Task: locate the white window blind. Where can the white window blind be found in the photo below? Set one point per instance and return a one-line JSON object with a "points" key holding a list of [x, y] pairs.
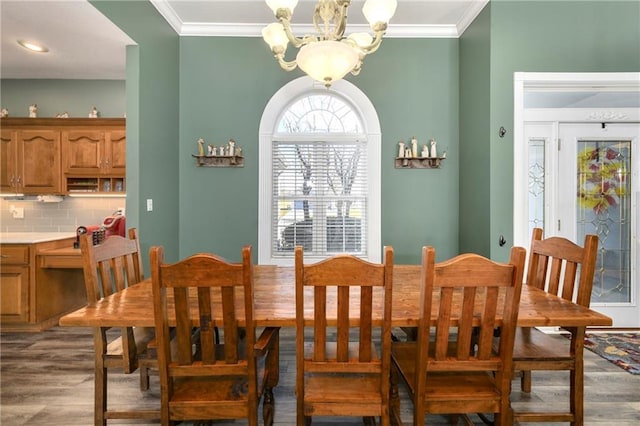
{"points": [[319, 197], [319, 179]]}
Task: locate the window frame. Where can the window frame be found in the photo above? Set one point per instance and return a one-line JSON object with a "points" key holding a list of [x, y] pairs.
{"points": [[272, 115]]}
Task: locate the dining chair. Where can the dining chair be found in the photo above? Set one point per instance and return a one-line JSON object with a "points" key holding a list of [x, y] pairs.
{"points": [[458, 370], [110, 267], [340, 371], [560, 267], [205, 380]]}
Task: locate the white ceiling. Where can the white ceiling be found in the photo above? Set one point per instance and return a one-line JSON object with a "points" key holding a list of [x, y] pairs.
{"points": [[85, 45]]}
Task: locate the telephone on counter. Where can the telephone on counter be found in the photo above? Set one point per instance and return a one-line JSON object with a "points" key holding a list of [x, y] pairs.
{"points": [[116, 224]]}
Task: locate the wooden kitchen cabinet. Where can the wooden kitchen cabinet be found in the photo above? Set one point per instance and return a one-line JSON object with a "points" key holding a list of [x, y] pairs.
{"points": [[30, 160], [34, 295], [95, 152], [14, 279], [62, 155]]}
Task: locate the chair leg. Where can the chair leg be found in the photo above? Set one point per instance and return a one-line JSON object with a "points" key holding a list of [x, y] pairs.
{"points": [[525, 381], [394, 398], [144, 378], [100, 395], [268, 407], [576, 377]]}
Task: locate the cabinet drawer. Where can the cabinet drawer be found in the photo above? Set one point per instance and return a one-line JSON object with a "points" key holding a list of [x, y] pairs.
{"points": [[14, 255]]}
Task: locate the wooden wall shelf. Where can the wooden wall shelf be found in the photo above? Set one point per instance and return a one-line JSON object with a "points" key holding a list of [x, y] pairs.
{"points": [[418, 162], [219, 160]]}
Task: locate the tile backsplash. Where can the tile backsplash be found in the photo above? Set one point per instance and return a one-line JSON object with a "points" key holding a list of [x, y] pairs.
{"points": [[64, 216]]}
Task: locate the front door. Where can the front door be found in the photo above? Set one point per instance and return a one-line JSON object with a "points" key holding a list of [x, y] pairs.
{"points": [[598, 165]]}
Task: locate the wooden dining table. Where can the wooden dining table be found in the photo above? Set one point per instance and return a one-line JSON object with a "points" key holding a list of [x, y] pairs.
{"points": [[274, 295]]}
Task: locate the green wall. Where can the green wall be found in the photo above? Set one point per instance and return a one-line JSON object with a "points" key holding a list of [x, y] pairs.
{"points": [[77, 97], [534, 36], [223, 94], [152, 122], [475, 72]]}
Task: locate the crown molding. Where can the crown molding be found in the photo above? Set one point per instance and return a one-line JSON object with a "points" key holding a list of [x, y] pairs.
{"points": [[239, 29], [255, 30]]}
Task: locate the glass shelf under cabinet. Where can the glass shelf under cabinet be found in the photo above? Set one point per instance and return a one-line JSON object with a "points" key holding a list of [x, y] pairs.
{"points": [[86, 184]]}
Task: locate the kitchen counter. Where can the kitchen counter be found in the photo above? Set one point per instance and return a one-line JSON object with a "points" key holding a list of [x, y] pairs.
{"points": [[38, 289], [33, 237]]}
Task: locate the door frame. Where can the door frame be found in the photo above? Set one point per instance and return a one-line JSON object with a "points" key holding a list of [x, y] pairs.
{"points": [[552, 117], [524, 81]]}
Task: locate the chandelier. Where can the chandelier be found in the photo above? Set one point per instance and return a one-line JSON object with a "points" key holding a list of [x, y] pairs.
{"points": [[328, 55]]}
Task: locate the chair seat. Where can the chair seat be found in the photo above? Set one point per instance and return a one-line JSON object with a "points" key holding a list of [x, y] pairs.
{"points": [[444, 386], [532, 344]]}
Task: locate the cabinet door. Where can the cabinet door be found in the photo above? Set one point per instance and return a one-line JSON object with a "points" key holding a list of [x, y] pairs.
{"points": [[8, 160], [39, 159], [83, 151], [14, 293], [117, 149]]}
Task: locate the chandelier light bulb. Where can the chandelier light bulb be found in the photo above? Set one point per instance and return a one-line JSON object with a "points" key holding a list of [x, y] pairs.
{"points": [[275, 36], [282, 4], [361, 39], [379, 11]]}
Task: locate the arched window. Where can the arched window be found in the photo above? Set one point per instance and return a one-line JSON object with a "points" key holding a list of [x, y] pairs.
{"points": [[319, 173]]}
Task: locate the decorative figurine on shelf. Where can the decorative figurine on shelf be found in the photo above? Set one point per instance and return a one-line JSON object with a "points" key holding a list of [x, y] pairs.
{"points": [[232, 145], [434, 151], [425, 151], [239, 152], [93, 113], [4, 113], [211, 149], [407, 152], [62, 115], [414, 147], [401, 149], [444, 154], [201, 147], [33, 111]]}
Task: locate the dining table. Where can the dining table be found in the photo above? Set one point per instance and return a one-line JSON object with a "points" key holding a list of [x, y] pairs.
{"points": [[274, 304]]}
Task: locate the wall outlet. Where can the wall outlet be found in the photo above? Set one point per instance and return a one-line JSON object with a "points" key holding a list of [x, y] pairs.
{"points": [[16, 212], [121, 210], [149, 204]]}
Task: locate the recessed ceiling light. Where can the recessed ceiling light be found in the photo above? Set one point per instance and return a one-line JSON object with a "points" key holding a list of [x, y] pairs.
{"points": [[32, 46]]}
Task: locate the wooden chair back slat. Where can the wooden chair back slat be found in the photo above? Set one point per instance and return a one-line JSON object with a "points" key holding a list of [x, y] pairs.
{"points": [[342, 334], [230, 322], [366, 324], [320, 322]]}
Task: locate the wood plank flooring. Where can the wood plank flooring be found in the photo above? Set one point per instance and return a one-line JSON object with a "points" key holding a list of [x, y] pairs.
{"points": [[47, 379]]}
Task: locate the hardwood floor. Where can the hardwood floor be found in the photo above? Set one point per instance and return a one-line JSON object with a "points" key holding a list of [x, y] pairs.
{"points": [[47, 379]]}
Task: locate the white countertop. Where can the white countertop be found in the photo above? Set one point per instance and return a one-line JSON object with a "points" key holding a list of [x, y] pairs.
{"points": [[33, 237]]}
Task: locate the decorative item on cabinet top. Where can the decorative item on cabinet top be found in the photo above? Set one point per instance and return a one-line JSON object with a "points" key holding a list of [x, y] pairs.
{"points": [[226, 155], [407, 155]]}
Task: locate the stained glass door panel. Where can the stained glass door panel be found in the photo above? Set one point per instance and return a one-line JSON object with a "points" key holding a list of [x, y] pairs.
{"points": [[598, 168]]}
